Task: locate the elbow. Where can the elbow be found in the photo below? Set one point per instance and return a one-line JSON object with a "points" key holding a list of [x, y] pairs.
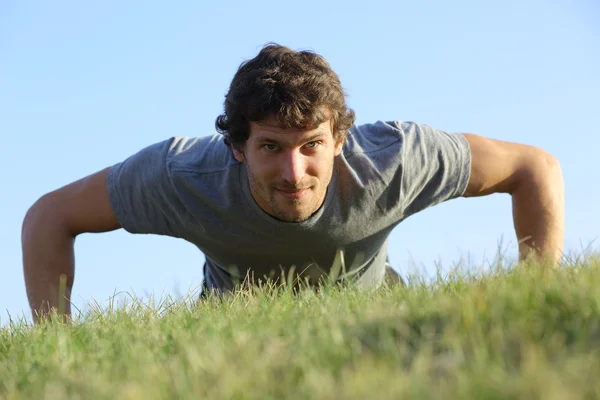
{"points": [[550, 168], [42, 213], [542, 169], [549, 161], [32, 215]]}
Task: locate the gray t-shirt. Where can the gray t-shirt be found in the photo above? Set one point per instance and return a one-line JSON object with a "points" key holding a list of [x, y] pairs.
{"points": [[193, 188]]}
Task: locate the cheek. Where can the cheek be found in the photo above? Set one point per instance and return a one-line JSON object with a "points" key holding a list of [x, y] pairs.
{"points": [[320, 167], [263, 170]]}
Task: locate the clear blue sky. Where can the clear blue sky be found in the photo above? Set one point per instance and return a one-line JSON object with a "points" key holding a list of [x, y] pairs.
{"points": [[83, 86]]}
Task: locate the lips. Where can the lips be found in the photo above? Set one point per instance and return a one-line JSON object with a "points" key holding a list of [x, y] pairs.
{"points": [[293, 194]]}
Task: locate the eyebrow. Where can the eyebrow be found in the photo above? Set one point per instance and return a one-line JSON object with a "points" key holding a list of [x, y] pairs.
{"points": [[309, 139]]}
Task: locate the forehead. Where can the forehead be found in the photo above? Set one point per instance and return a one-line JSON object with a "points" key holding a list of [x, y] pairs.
{"points": [[270, 129]]}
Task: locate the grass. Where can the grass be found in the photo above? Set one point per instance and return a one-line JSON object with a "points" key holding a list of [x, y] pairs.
{"points": [[526, 332]]}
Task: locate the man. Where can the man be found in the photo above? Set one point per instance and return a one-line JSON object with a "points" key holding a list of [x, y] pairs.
{"points": [[290, 187]]}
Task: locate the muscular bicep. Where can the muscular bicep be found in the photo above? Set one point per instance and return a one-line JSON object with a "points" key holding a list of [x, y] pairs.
{"points": [[82, 206], [498, 166]]}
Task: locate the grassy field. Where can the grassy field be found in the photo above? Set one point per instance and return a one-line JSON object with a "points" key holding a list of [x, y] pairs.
{"points": [[509, 333]]}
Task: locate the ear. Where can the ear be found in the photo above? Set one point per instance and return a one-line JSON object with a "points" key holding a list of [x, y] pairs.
{"points": [[339, 145], [237, 154]]}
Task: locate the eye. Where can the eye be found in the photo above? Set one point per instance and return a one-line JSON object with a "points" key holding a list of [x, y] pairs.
{"points": [[270, 147], [312, 145]]}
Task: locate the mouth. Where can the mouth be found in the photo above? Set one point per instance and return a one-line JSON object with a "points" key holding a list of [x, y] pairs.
{"points": [[293, 194]]}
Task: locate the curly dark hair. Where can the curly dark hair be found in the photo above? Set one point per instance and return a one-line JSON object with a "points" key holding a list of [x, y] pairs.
{"points": [[298, 88]]}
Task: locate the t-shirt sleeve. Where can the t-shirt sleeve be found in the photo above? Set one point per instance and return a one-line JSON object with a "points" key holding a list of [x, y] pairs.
{"points": [[142, 194], [436, 166]]}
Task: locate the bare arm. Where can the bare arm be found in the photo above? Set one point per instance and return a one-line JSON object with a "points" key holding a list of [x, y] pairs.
{"points": [[534, 179], [48, 236]]}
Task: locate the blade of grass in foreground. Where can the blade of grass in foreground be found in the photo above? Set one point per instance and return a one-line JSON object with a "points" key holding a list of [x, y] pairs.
{"points": [[510, 333]]}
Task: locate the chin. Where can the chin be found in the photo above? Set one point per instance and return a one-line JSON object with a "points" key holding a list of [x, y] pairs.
{"points": [[293, 216], [296, 217]]}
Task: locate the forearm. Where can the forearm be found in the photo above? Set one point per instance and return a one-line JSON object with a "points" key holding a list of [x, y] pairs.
{"points": [[538, 213], [48, 255]]}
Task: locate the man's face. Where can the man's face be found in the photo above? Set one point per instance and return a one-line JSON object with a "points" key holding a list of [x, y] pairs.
{"points": [[289, 169]]}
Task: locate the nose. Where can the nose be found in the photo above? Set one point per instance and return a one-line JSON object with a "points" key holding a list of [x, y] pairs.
{"points": [[294, 167]]}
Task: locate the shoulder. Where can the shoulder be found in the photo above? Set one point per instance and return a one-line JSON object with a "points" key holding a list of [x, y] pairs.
{"points": [[371, 151], [371, 137], [379, 135], [199, 154]]}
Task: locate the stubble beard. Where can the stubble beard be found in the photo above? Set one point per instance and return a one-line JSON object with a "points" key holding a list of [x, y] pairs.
{"points": [[269, 196], [288, 216]]}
